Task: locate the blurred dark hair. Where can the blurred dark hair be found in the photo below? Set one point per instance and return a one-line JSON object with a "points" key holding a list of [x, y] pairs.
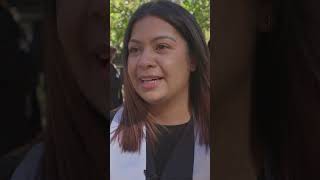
{"points": [[134, 116], [75, 142], [288, 90]]}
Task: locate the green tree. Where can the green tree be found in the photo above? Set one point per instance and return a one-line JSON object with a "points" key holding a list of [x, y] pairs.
{"points": [[121, 11], [200, 9]]}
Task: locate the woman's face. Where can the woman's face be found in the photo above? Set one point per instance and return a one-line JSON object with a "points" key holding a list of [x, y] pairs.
{"points": [[159, 64], [83, 35]]}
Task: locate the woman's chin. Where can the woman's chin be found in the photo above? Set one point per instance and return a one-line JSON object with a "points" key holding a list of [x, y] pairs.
{"points": [[153, 99]]}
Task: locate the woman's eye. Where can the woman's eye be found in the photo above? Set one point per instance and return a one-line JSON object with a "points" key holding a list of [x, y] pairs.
{"points": [[161, 47], [133, 50]]}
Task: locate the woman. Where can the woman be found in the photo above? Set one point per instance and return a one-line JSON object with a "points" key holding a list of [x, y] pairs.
{"points": [[74, 144], [162, 130]]}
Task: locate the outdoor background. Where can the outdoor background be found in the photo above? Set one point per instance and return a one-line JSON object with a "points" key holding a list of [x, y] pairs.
{"points": [[121, 11]]}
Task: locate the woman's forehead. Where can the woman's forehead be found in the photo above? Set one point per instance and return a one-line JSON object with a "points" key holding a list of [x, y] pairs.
{"points": [[151, 28]]}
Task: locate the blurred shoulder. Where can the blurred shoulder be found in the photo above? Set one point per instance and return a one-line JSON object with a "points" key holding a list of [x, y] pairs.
{"points": [[30, 167]]}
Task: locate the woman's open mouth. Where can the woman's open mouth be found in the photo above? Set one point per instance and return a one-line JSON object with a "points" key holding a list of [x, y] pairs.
{"points": [[149, 83]]}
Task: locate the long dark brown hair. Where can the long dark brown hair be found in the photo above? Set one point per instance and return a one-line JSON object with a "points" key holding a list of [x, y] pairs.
{"points": [[75, 142], [130, 130]]}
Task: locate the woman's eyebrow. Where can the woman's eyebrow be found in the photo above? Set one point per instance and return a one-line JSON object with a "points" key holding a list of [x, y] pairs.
{"points": [[135, 41], [154, 39], [164, 37]]}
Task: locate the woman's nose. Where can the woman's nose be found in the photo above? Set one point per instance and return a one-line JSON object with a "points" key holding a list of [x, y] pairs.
{"points": [[147, 59]]}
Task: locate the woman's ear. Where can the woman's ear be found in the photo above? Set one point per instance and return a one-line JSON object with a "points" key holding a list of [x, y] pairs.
{"points": [[265, 16]]}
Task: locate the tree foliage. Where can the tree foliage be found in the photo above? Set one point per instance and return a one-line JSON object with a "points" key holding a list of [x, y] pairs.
{"points": [[121, 11]]}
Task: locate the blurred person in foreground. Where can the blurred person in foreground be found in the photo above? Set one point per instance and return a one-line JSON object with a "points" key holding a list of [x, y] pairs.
{"points": [[73, 145]]}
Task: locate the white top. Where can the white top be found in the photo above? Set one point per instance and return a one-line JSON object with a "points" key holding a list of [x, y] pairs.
{"points": [[128, 166]]}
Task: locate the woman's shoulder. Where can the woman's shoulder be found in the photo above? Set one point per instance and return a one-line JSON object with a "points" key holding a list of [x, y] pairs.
{"points": [[30, 167], [115, 114]]}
